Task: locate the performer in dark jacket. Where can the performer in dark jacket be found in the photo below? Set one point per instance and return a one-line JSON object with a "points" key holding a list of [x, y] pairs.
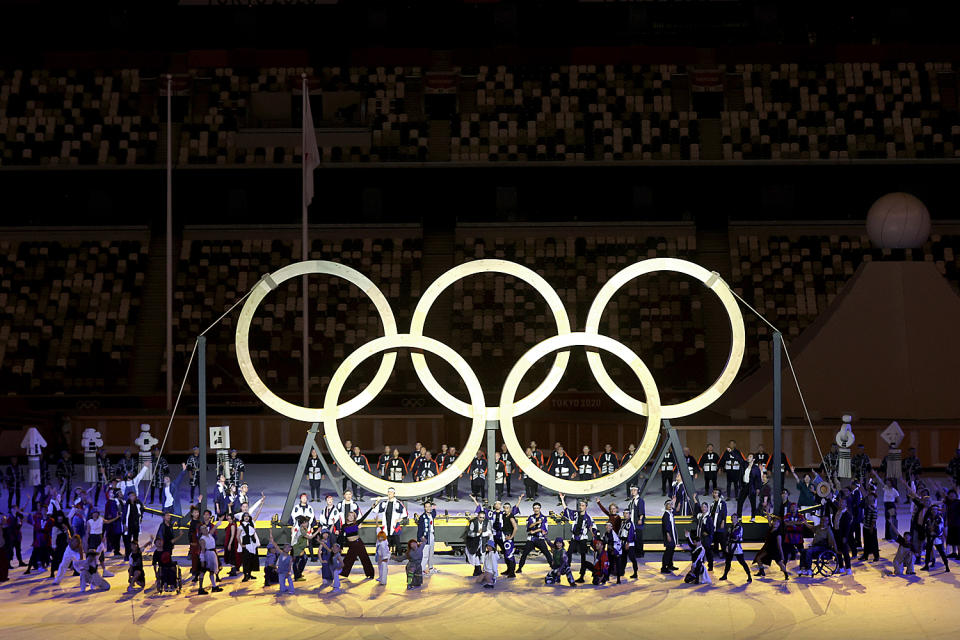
{"points": [[667, 468], [718, 518], [608, 462], [314, 473], [669, 530], [705, 532], [636, 512], [531, 488], [710, 464], [732, 463], [536, 536], [750, 489], [478, 475], [582, 533], [734, 549]]}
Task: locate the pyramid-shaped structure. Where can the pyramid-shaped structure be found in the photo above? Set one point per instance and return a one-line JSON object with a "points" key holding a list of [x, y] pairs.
{"points": [[888, 347]]}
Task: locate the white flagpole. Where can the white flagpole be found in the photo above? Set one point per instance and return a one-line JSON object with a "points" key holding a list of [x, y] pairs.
{"points": [[304, 241], [169, 243]]}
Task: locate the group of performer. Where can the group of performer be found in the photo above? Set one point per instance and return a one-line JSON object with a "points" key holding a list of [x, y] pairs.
{"points": [[72, 534]]}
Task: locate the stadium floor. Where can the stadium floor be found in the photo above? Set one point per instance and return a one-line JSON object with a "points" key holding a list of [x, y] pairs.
{"points": [[867, 604]]}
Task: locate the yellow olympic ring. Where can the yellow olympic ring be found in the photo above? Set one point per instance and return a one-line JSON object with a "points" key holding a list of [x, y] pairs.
{"points": [[603, 483], [489, 266], [715, 283], [259, 292], [404, 489]]}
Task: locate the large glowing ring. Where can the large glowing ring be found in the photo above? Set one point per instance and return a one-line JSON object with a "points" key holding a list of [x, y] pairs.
{"points": [[367, 479], [713, 282], [259, 292], [520, 272], [603, 483]]}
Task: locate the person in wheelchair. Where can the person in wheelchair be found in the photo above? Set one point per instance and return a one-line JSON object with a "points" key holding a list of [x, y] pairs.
{"points": [[168, 573], [823, 541]]}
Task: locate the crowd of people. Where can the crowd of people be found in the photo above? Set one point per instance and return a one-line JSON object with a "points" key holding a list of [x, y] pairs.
{"points": [[74, 535]]}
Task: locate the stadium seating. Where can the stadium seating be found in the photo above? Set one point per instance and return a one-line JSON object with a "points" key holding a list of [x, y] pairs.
{"points": [[561, 113], [496, 318], [214, 271], [70, 310]]}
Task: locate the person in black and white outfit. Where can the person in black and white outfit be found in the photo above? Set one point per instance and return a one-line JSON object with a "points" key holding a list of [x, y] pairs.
{"points": [[161, 468], [530, 485], [636, 512], [479, 532], [193, 470], [582, 534], [669, 530], [391, 513], [314, 475], [750, 487], [608, 462], [734, 549], [732, 462], [396, 467], [507, 466], [250, 542], [382, 462], [587, 468], [478, 476], [718, 517], [347, 506], [710, 464], [132, 517], [328, 517], [426, 536], [451, 489], [667, 468], [536, 536]]}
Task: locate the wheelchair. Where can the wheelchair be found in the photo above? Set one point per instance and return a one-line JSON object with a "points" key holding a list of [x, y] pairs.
{"points": [[826, 563], [169, 577]]}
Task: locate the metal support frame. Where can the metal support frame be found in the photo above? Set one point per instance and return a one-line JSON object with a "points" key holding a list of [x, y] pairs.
{"points": [[202, 418], [310, 442], [492, 426], [777, 421], [671, 441]]}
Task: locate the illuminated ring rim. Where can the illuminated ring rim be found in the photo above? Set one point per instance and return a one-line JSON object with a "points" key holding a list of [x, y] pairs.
{"points": [[256, 297], [404, 490], [644, 450], [737, 343], [505, 267]]}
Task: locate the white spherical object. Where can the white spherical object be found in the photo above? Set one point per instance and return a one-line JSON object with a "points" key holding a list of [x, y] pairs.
{"points": [[898, 221]]}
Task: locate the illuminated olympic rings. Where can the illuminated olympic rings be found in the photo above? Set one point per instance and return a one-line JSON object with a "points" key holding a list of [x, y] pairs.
{"points": [[508, 407]]}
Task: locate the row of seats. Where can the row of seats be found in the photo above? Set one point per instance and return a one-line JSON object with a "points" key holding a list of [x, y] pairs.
{"points": [[516, 113], [496, 318], [212, 273], [71, 308], [70, 311]]}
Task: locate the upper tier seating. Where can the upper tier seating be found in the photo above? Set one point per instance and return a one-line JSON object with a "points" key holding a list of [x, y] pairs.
{"points": [[562, 113]]}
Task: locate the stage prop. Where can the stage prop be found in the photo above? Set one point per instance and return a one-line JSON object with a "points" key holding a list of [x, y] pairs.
{"points": [[90, 440], [845, 440], [893, 436], [220, 443], [34, 444], [146, 442], [487, 419]]}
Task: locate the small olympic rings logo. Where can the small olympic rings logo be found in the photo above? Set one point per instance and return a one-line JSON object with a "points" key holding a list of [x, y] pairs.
{"points": [[509, 407]]}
